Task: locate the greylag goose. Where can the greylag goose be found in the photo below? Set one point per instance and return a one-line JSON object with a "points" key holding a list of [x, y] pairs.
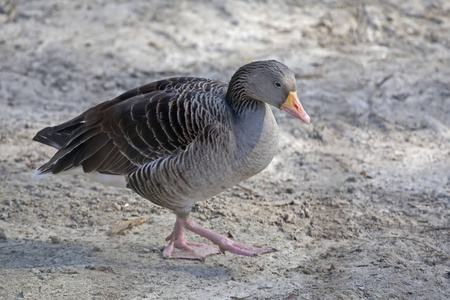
{"points": [[178, 141]]}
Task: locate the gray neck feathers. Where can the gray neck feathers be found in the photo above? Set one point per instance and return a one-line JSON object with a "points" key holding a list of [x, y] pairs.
{"points": [[237, 96]]}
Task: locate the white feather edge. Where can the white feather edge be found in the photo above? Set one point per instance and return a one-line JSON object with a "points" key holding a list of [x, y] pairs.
{"points": [[106, 179]]}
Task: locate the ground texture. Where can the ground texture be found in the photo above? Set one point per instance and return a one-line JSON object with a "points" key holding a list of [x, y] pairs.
{"points": [[357, 202]]}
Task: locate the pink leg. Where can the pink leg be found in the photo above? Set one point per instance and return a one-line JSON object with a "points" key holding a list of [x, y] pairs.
{"points": [[180, 248], [225, 243]]}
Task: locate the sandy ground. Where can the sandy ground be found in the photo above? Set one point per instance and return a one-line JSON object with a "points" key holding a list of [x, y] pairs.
{"points": [[357, 202]]}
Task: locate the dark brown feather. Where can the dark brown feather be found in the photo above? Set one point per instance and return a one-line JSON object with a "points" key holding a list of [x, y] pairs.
{"points": [[139, 126]]}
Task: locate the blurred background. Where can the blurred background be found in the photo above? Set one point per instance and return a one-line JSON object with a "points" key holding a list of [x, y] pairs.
{"points": [[357, 201]]}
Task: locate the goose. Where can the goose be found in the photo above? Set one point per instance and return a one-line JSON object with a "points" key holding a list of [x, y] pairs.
{"points": [[178, 141]]}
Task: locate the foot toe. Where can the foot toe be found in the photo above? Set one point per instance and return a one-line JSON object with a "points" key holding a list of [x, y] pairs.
{"points": [[189, 251]]}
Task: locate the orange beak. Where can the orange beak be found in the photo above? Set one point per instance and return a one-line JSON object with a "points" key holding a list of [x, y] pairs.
{"points": [[293, 107]]}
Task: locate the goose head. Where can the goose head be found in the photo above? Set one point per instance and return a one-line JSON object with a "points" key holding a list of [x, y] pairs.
{"points": [[271, 82]]}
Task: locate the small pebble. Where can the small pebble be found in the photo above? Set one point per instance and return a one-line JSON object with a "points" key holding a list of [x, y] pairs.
{"points": [[2, 236], [55, 239], [97, 249]]}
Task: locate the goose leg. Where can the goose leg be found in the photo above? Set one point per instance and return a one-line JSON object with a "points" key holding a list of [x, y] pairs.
{"points": [[180, 248], [225, 243]]}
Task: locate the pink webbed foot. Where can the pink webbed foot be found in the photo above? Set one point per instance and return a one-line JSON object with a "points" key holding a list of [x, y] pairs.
{"points": [[188, 250], [180, 248], [226, 244]]}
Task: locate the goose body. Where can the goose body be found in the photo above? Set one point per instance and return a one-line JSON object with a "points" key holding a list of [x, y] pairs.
{"points": [[178, 141]]}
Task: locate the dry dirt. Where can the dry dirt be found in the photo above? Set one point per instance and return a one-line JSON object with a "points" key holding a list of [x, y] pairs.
{"points": [[357, 202]]}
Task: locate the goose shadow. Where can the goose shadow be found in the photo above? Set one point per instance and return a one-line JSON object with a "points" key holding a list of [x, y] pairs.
{"points": [[29, 253]]}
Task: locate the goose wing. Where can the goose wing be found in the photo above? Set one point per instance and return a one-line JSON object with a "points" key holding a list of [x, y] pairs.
{"points": [[139, 126]]}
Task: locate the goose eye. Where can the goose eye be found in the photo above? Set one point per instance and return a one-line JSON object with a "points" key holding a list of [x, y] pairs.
{"points": [[277, 84]]}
